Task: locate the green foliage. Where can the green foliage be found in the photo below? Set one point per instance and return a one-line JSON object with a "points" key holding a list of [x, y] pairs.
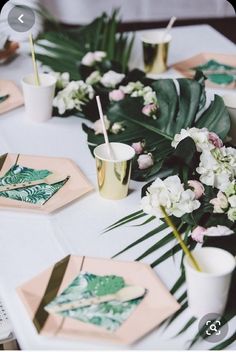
{"points": [[63, 48], [3, 98], [179, 108]]}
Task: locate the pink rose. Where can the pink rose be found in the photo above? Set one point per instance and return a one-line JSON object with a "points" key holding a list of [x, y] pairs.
{"points": [[215, 140], [198, 234], [116, 95], [149, 109], [138, 147], [145, 161], [197, 187]]}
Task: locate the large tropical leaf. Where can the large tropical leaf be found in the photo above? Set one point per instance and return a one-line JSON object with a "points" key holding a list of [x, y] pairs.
{"points": [[177, 110], [63, 48]]}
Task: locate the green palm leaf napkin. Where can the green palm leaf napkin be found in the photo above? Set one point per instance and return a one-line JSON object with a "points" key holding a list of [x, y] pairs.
{"points": [[38, 194], [109, 315]]}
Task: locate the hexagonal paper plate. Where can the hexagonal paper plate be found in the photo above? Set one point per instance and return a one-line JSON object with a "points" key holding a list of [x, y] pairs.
{"points": [[156, 306], [75, 187]]}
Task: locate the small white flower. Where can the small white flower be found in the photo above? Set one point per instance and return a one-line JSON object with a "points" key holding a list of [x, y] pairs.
{"points": [[232, 214], [99, 55], [97, 126], [220, 203], [63, 79], [200, 137], [93, 78], [116, 128], [74, 96], [91, 58], [133, 87], [145, 161], [232, 201], [231, 189], [218, 231], [217, 167], [150, 97], [88, 59], [111, 78]]}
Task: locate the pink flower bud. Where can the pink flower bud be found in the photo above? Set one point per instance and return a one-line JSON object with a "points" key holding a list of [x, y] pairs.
{"points": [[198, 234], [138, 147], [149, 109], [197, 187], [116, 95], [145, 161], [215, 140]]}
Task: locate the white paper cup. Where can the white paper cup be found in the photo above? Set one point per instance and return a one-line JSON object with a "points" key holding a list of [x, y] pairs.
{"points": [[208, 290], [39, 99], [230, 103], [114, 175]]}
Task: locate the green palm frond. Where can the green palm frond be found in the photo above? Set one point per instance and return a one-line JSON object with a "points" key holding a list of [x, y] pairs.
{"points": [[63, 48]]}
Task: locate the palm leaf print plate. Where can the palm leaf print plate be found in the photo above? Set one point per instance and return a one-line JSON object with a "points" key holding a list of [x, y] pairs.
{"points": [[220, 69], [40, 198]]}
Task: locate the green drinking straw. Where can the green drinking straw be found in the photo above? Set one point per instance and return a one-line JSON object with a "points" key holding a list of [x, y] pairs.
{"points": [[181, 242], [36, 74]]}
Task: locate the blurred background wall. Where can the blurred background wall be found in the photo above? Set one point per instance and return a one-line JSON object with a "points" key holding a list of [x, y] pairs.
{"points": [[83, 11]]}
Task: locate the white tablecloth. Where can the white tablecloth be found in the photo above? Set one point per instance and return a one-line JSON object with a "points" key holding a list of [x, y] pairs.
{"points": [[30, 243]]}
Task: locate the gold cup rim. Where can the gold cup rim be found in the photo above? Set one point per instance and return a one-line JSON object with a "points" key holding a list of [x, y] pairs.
{"points": [[115, 144], [144, 37]]}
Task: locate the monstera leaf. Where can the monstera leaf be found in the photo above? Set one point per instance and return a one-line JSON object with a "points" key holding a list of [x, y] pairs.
{"points": [[182, 104]]}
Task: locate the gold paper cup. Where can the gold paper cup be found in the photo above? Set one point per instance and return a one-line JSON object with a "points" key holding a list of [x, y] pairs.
{"points": [[114, 175], [155, 51]]}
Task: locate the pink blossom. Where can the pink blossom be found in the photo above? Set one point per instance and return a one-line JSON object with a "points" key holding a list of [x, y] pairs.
{"points": [[197, 187], [220, 203], [145, 161], [149, 109], [138, 147], [215, 140], [116, 95], [198, 234], [97, 126]]}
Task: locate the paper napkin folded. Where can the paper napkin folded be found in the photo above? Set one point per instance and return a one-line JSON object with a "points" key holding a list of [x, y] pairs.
{"points": [[35, 194], [109, 315]]}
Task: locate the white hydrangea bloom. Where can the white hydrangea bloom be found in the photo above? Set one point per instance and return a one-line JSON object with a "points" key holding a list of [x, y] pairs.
{"points": [[111, 78], [217, 167], [171, 195], [200, 137], [73, 96]]}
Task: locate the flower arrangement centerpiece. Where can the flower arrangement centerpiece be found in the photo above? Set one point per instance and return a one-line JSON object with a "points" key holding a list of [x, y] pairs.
{"points": [[199, 197]]}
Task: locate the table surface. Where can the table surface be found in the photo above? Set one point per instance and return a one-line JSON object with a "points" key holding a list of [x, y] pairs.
{"points": [[30, 243]]}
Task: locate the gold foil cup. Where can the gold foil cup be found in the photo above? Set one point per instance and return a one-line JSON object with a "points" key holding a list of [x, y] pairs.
{"points": [[155, 51], [114, 175]]}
